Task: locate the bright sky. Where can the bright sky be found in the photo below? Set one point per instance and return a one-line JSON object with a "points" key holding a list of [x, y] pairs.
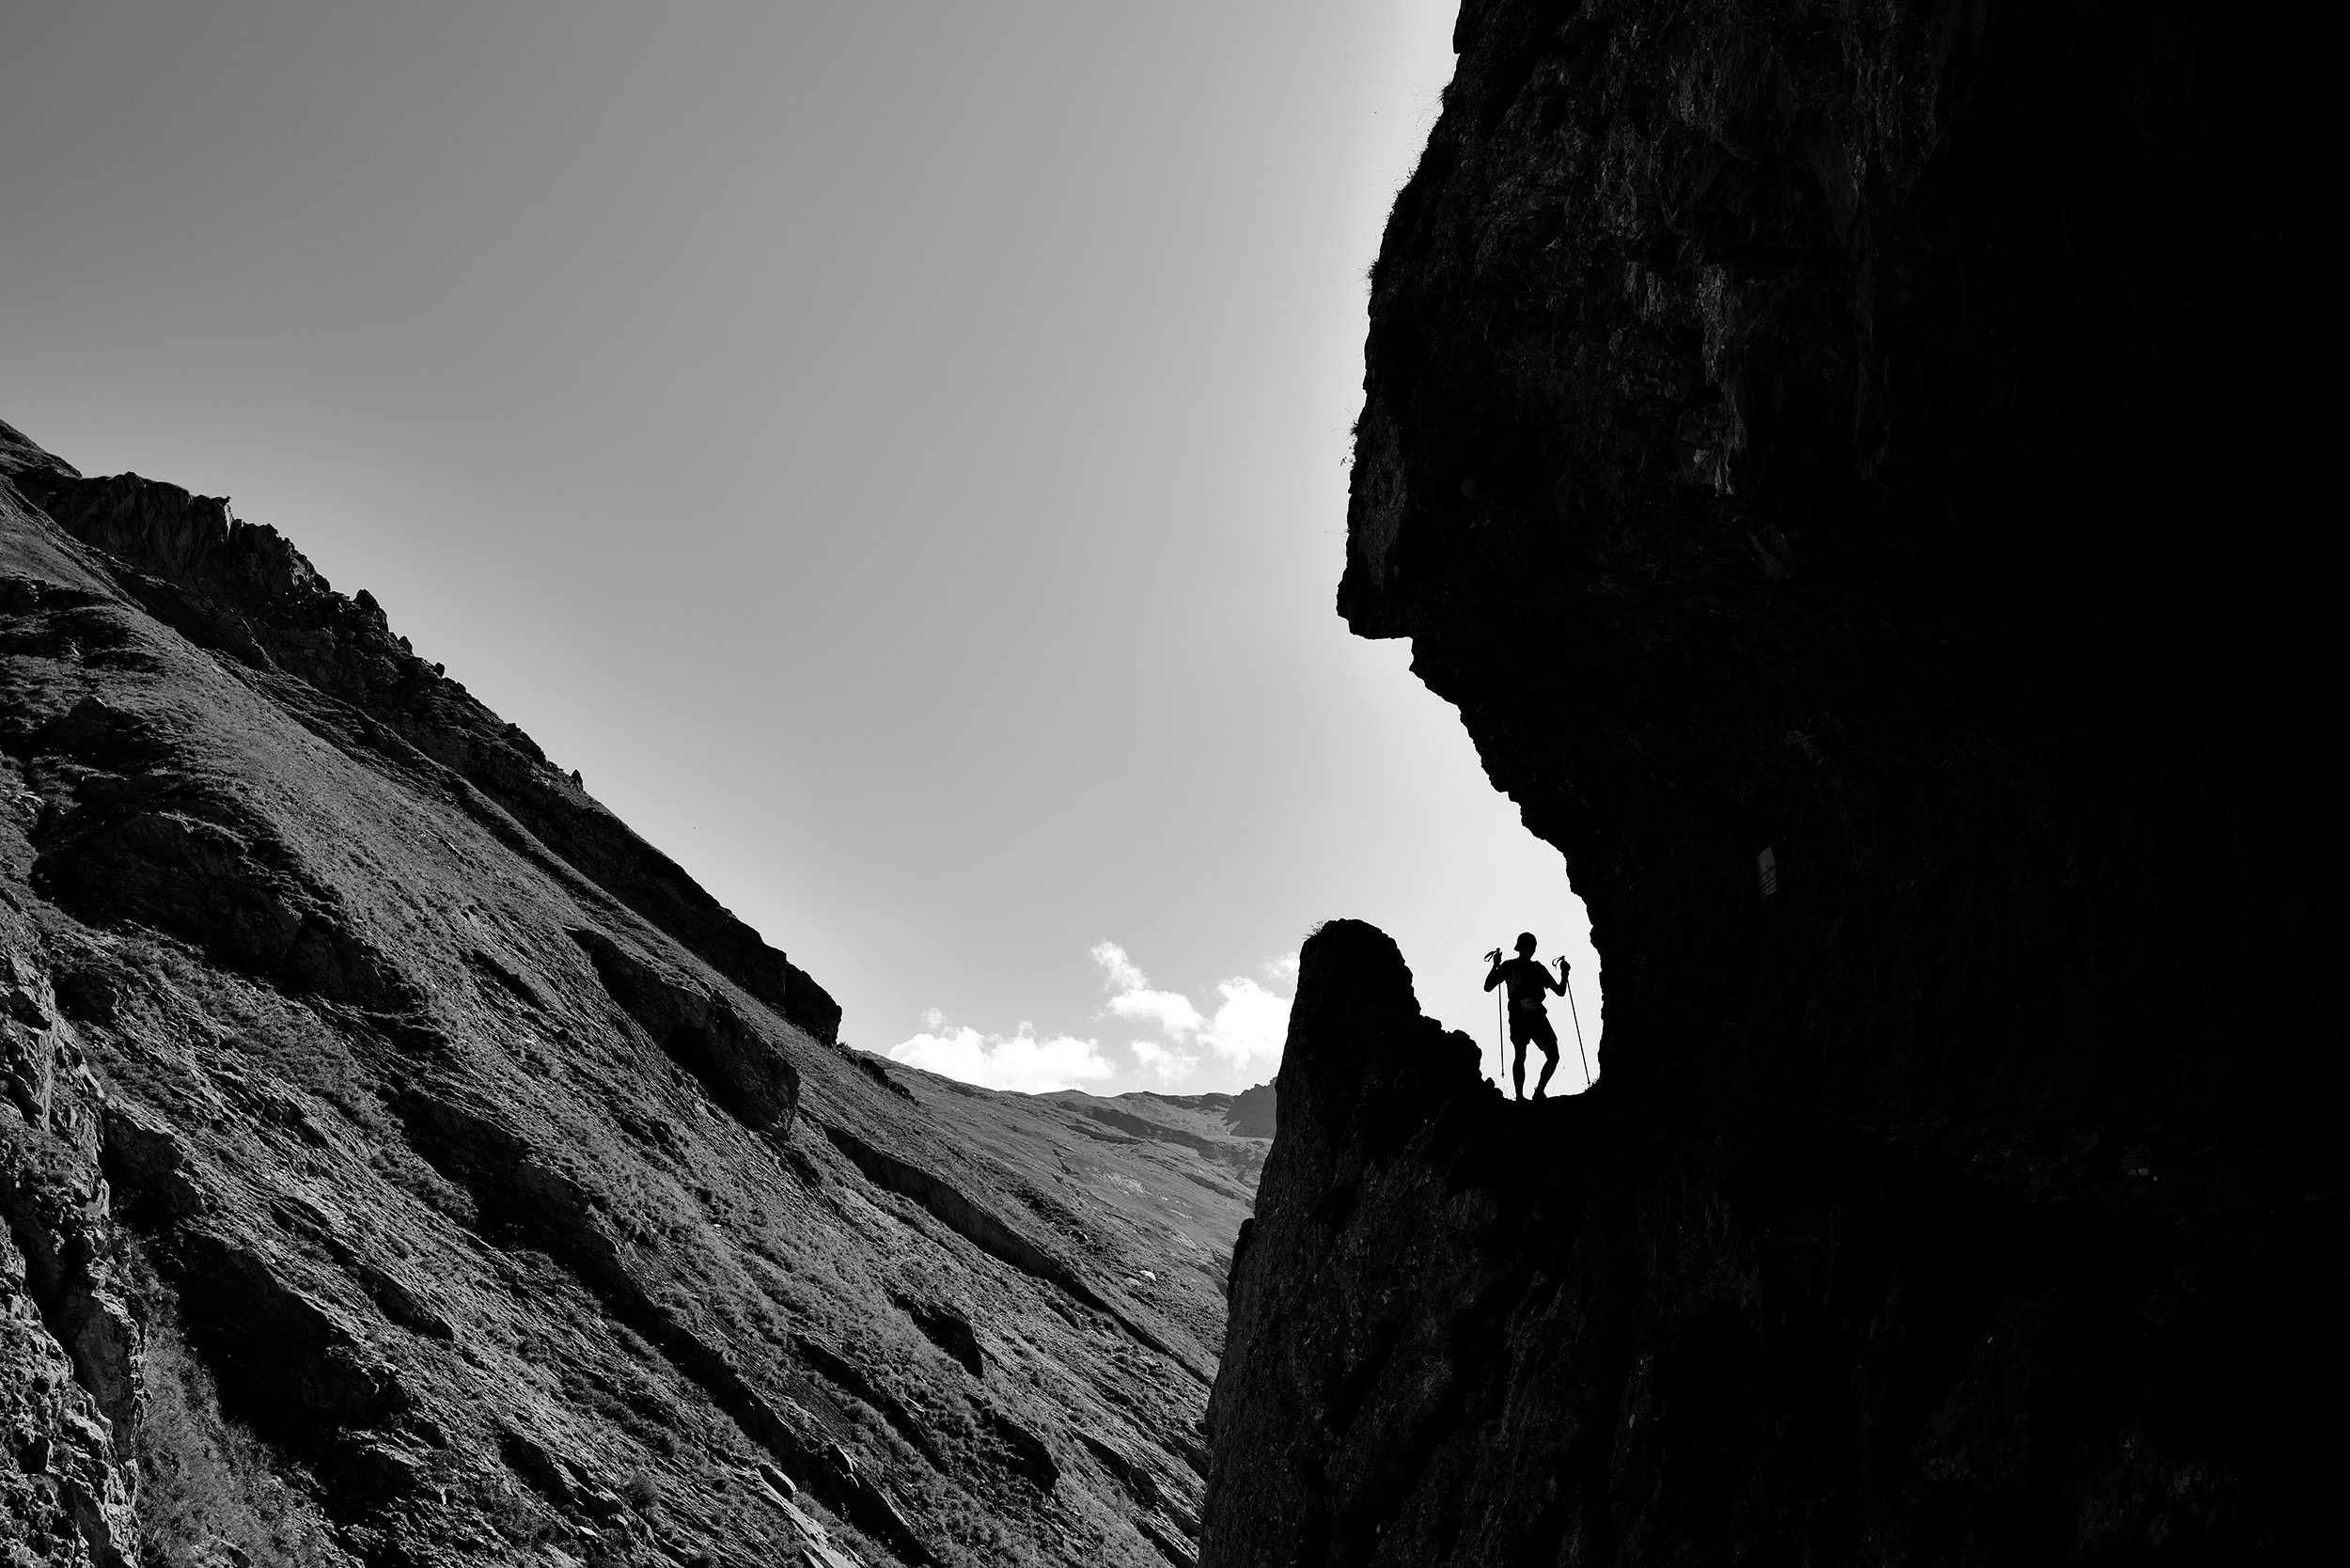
{"points": [[897, 451]]}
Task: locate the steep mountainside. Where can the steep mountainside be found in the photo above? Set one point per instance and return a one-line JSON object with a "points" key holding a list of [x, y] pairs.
{"points": [[1826, 455], [512, 1193]]}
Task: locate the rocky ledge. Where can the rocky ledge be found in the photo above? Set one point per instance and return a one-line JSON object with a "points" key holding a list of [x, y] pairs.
{"points": [[1595, 1331]]}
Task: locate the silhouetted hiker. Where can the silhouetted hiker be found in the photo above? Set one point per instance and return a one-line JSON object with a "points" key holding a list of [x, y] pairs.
{"points": [[1528, 982]]}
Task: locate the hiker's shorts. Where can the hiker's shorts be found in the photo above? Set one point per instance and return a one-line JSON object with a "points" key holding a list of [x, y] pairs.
{"points": [[1532, 1028]]}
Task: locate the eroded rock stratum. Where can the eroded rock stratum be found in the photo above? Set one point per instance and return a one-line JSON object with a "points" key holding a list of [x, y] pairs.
{"points": [[1819, 452], [516, 1200]]}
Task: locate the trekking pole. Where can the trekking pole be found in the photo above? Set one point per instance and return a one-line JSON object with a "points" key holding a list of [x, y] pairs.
{"points": [[1574, 1014], [1501, 1035]]}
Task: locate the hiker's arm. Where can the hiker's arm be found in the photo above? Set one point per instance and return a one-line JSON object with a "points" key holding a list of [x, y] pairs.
{"points": [[1556, 982], [1493, 978]]}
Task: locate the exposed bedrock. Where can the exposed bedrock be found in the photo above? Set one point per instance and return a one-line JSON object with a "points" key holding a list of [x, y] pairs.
{"points": [[401, 1164], [744, 1071], [131, 829], [1837, 433], [1597, 1330], [246, 592], [70, 1392], [1821, 453]]}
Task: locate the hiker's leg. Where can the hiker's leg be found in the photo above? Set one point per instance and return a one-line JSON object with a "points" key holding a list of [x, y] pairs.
{"points": [[1517, 1073], [1550, 1065]]}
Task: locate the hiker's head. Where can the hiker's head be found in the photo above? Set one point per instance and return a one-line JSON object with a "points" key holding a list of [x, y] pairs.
{"points": [[1526, 944]]}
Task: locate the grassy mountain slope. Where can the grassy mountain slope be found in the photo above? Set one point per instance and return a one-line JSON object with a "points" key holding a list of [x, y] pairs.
{"points": [[509, 1194]]}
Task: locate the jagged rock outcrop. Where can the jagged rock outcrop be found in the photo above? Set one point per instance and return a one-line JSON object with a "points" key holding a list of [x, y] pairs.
{"points": [[1815, 448], [404, 1163], [69, 1383], [1598, 1330]]}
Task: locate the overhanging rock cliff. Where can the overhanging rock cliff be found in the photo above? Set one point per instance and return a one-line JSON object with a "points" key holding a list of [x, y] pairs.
{"points": [[1840, 432], [1819, 452]]}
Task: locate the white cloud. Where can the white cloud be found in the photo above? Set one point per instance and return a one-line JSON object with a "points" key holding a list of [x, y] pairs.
{"points": [[1120, 970], [1170, 1011], [1019, 1062], [1169, 1067], [1250, 1026], [1246, 1033]]}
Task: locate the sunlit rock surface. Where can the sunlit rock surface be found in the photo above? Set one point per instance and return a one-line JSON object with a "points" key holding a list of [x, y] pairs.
{"points": [[1822, 452], [511, 1195]]}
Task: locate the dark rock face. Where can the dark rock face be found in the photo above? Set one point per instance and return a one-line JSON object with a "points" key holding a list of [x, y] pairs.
{"points": [[1597, 1330], [520, 1204], [1797, 438], [1800, 430]]}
